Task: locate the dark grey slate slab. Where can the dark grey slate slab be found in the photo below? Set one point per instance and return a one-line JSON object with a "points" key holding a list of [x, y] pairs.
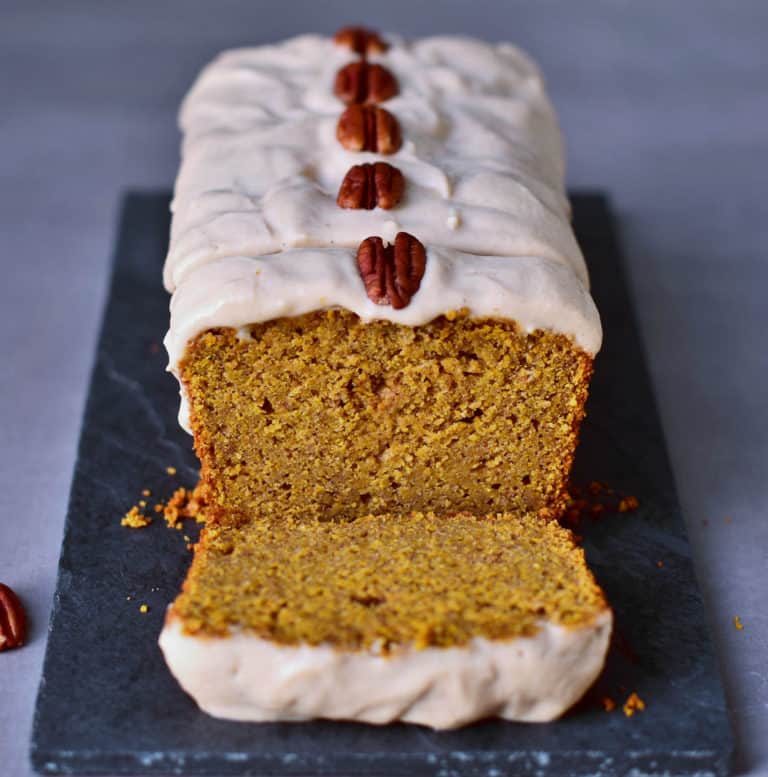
{"points": [[107, 705]]}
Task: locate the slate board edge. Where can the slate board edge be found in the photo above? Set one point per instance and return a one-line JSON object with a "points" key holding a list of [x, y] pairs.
{"points": [[579, 763], [715, 762]]}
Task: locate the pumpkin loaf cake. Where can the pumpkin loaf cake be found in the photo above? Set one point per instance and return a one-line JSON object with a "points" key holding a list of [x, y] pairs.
{"points": [[381, 326], [437, 620]]}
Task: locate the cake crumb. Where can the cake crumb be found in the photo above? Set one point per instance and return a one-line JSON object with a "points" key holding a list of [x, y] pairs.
{"points": [[143, 609], [171, 515], [659, 564], [171, 470], [628, 504], [633, 704], [595, 501], [608, 704], [142, 503], [737, 623], [159, 508], [135, 519], [146, 492], [128, 598], [185, 503]]}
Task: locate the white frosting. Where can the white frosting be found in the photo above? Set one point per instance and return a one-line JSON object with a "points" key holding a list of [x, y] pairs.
{"points": [[262, 166], [256, 232], [240, 290], [534, 679]]}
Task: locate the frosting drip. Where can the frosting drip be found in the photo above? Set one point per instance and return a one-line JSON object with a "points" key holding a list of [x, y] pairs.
{"points": [[242, 290]]}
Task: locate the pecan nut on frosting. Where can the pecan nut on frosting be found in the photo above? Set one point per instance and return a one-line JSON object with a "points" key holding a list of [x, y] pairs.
{"points": [[391, 273], [360, 40], [362, 82], [369, 128], [13, 621], [370, 185]]}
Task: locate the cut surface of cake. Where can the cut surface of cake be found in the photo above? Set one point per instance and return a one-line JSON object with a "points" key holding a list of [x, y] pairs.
{"points": [[324, 415], [436, 620]]}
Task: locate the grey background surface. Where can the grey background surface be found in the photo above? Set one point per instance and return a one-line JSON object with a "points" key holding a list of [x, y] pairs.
{"points": [[663, 104]]}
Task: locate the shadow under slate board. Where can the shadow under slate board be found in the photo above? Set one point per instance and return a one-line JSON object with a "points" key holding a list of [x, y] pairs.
{"points": [[107, 704]]}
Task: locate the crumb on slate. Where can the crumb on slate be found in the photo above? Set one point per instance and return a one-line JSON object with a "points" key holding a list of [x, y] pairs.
{"points": [[737, 623], [135, 519], [633, 704], [608, 704], [143, 609], [171, 470], [628, 504], [594, 501], [185, 503]]}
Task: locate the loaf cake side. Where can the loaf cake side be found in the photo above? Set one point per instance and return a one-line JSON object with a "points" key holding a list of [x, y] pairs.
{"points": [[436, 620]]}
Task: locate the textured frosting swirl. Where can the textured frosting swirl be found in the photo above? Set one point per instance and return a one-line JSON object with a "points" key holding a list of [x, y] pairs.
{"points": [[261, 166]]}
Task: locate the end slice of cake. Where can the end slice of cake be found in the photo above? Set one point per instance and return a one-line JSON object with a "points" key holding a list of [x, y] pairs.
{"points": [[415, 618]]}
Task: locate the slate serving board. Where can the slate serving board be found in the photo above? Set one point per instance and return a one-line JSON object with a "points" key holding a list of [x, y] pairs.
{"points": [[107, 704]]}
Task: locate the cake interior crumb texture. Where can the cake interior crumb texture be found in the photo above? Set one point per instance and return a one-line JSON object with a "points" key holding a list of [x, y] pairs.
{"points": [[379, 582], [324, 416]]}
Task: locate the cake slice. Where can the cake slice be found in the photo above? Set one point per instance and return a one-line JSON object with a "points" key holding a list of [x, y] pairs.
{"points": [[325, 373], [432, 620]]}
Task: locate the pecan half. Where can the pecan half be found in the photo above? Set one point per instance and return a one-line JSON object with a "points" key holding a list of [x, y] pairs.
{"points": [[362, 82], [13, 621], [366, 186], [368, 128], [360, 40], [391, 274]]}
